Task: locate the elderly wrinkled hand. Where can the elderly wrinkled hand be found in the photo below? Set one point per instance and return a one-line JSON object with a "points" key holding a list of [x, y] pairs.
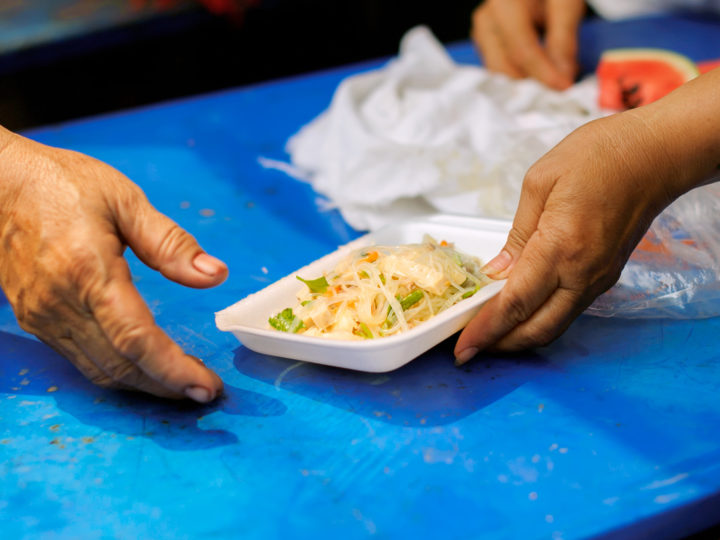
{"points": [[583, 208], [65, 221], [508, 34]]}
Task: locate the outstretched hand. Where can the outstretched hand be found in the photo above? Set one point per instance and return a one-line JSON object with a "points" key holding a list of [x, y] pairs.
{"points": [[65, 220], [583, 208]]}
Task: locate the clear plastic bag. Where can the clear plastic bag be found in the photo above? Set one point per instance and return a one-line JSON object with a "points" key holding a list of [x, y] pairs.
{"points": [[675, 270]]}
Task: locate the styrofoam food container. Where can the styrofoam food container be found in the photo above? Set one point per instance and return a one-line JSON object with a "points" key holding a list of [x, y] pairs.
{"points": [[248, 318]]}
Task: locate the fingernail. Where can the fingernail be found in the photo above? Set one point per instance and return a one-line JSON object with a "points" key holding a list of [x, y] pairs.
{"points": [[207, 264], [498, 264], [199, 394], [465, 356]]}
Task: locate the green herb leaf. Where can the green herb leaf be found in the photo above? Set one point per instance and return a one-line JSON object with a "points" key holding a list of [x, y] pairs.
{"points": [[364, 331], [286, 321], [468, 294], [318, 285], [411, 299], [405, 303], [390, 320]]}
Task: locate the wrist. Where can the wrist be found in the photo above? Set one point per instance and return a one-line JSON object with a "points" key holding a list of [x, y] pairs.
{"points": [[685, 126]]}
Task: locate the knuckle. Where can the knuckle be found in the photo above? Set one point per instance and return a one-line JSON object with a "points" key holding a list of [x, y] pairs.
{"points": [[107, 299], [599, 278], [126, 373], [586, 275], [129, 339], [83, 272], [173, 240], [538, 337], [102, 380], [527, 337], [81, 267], [133, 193], [586, 268], [21, 309], [569, 246], [129, 197], [516, 238], [567, 249], [516, 310], [33, 309], [535, 181], [70, 270]]}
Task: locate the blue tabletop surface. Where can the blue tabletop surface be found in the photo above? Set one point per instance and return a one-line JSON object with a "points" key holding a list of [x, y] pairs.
{"points": [[611, 431]]}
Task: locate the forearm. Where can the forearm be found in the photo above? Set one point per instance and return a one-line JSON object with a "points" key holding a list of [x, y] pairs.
{"points": [[686, 125]]}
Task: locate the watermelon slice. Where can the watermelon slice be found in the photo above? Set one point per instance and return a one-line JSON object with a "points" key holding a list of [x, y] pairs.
{"points": [[629, 78]]}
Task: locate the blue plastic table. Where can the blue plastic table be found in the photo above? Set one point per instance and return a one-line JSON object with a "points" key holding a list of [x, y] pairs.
{"points": [[614, 430]]}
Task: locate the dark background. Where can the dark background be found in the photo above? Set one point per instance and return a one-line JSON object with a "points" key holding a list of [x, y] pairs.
{"points": [[194, 51]]}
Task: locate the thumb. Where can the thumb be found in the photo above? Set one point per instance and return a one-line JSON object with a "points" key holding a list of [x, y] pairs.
{"points": [[163, 245], [562, 22], [523, 295]]}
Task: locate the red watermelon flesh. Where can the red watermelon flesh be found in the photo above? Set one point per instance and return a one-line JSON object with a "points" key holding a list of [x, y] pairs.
{"points": [[629, 78]]}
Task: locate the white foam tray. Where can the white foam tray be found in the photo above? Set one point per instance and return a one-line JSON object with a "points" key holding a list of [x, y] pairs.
{"points": [[248, 318]]}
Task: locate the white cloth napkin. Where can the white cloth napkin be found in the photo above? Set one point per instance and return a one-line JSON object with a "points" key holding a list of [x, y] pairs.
{"points": [[425, 134]]}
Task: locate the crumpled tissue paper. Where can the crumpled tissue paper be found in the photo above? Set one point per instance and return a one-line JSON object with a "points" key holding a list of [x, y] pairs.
{"points": [[425, 134]]}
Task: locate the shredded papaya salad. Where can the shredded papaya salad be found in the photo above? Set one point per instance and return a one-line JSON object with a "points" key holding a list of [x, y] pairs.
{"points": [[382, 290]]}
